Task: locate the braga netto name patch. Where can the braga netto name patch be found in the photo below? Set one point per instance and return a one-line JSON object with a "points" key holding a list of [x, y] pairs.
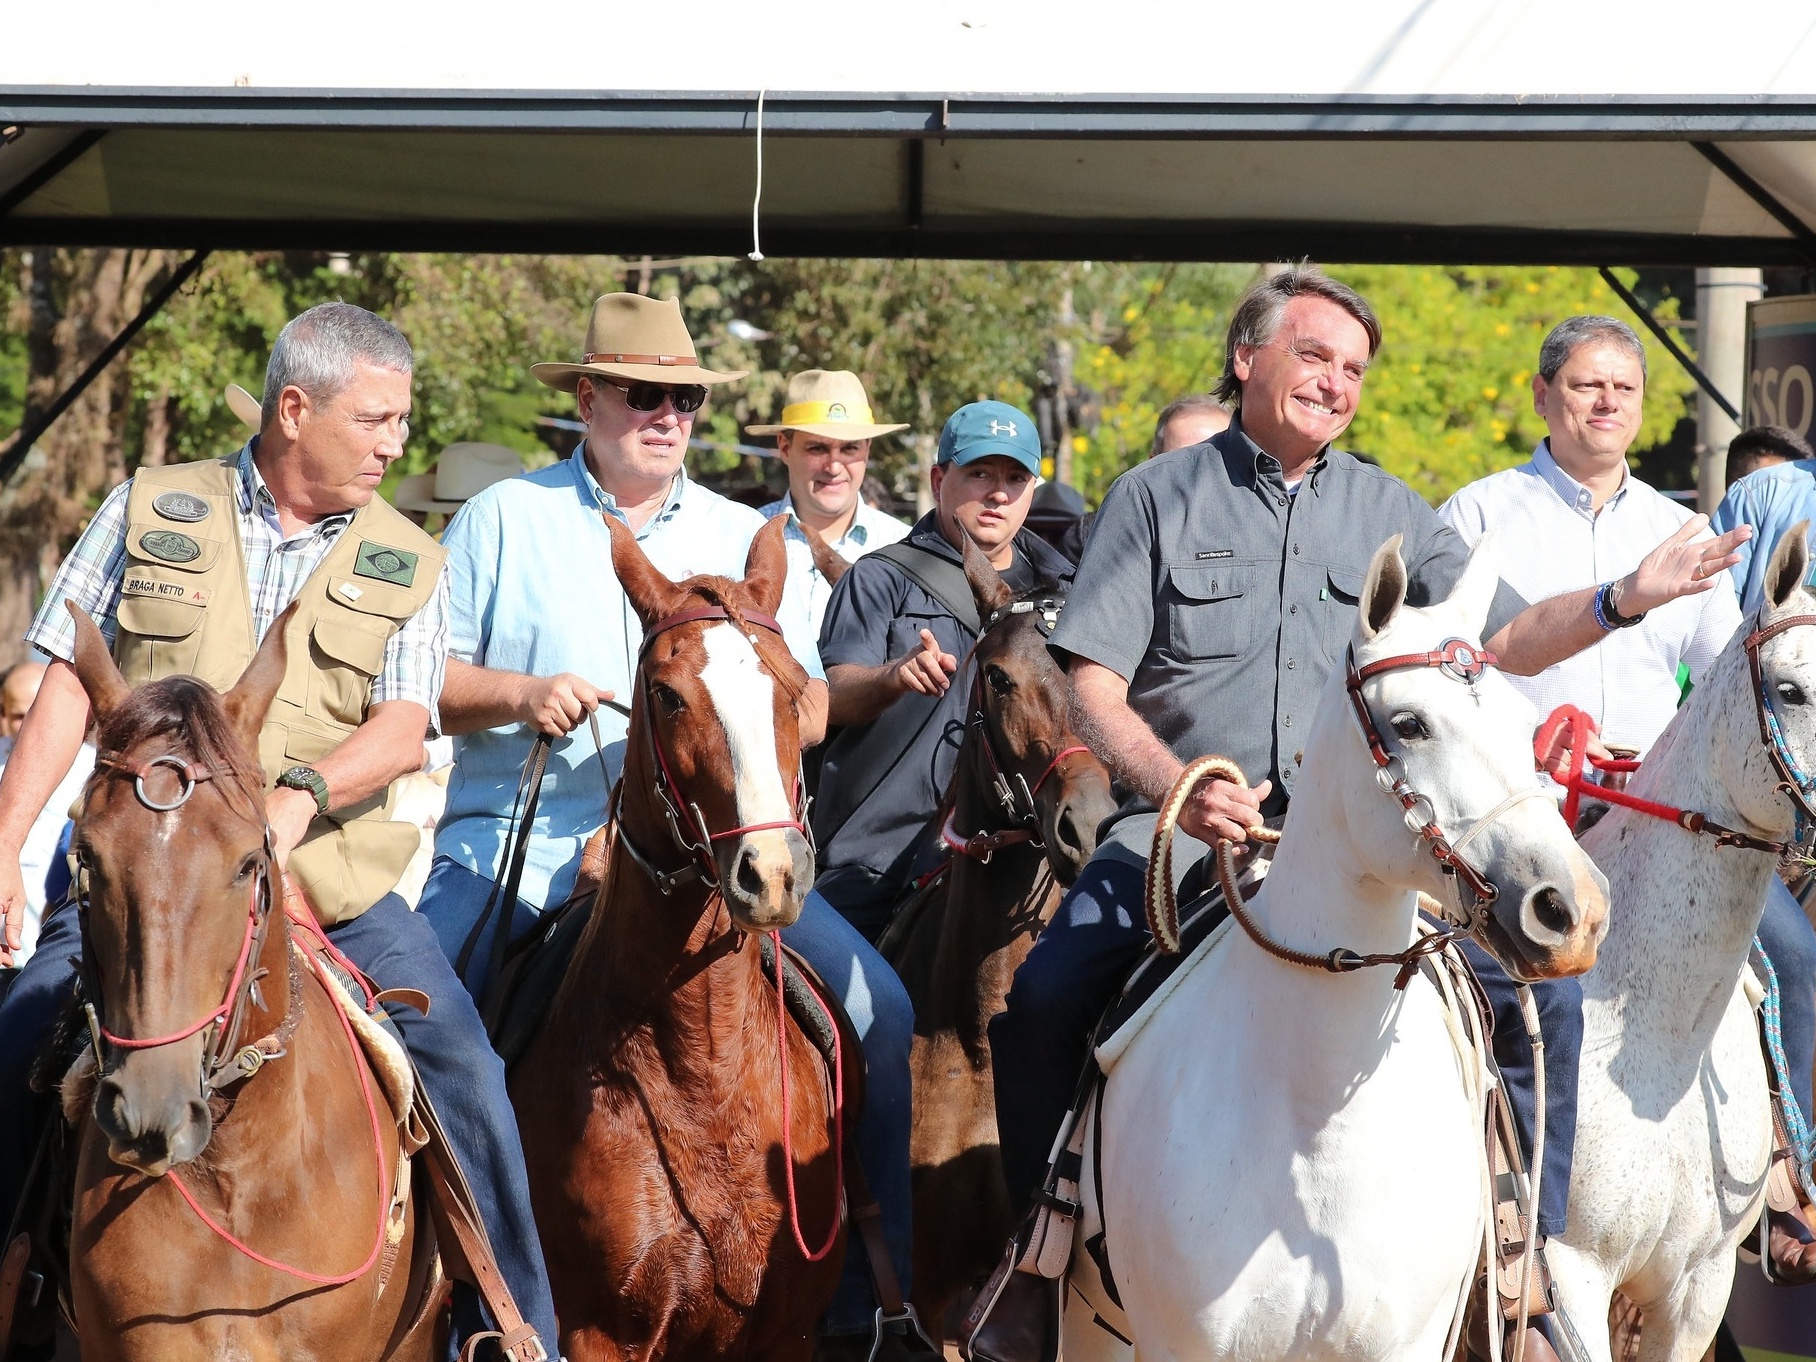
{"points": [[181, 506], [397, 566], [170, 547]]}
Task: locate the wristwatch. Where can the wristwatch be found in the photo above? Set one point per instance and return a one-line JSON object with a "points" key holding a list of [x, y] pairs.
{"points": [[306, 778]]}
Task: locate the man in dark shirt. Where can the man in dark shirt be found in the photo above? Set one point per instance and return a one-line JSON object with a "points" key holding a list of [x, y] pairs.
{"points": [[1218, 591], [896, 644]]}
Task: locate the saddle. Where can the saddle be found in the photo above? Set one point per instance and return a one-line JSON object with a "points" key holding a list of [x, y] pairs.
{"points": [[1016, 1316]]}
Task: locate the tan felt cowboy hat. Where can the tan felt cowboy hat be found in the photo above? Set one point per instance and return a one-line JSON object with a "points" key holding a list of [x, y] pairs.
{"points": [[245, 406], [635, 338], [829, 402], [463, 470]]}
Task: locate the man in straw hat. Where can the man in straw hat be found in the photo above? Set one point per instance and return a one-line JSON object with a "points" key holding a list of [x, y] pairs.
{"points": [[541, 632], [824, 437]]}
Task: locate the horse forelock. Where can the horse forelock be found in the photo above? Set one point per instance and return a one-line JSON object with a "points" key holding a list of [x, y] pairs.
{"points": [[186, 718]]}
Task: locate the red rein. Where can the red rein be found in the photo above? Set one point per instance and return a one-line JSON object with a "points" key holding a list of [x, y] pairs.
{"points": [[838, 1116], [1580, 726], [378, 1148]]}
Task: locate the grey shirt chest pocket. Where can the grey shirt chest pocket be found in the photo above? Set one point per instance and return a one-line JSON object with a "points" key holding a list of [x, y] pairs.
{"points": [[1210, 610]]}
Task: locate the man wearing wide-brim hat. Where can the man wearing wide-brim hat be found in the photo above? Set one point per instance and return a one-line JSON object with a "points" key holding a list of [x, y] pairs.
{"points": [[824, 438], [540, 632]]}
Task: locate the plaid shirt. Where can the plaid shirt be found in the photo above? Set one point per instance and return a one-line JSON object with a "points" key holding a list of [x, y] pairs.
{"points": [[276, 568]]}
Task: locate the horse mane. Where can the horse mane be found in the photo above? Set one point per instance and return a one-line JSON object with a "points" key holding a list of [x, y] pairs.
{"points": [[189, 715]]}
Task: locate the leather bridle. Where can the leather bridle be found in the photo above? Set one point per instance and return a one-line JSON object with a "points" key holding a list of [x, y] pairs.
{"points": [[225, 1061], [1799, 787], [1461, 661], [684, 817], [1014, 795]]}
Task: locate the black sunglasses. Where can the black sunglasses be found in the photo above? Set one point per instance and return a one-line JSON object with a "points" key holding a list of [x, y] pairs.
{"points": [[687, 397]]}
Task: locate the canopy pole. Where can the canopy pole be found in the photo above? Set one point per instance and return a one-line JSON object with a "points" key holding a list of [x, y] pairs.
{"points": [[33, 430], [1657, 328]]}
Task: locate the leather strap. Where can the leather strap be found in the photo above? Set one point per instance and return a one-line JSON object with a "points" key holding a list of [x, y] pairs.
{"points": [[665, 361], [457, 1213], [867, 1219]]}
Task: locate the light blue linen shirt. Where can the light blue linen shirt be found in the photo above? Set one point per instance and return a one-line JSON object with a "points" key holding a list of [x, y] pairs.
{"points": [[532, 590], [870, 529], [1771, 500]]}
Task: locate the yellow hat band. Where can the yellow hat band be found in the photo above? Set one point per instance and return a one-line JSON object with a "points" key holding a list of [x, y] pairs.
{"points": [[818, 413]]}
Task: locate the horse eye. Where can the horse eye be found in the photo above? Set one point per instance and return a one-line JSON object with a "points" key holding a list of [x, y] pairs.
{"points": [[1791, 693], [1410, 726], [670, 699], [999, 680], [248, 868]]}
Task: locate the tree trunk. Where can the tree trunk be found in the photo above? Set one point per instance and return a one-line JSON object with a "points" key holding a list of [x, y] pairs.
{"points": [[76, 302], [154, 445]]}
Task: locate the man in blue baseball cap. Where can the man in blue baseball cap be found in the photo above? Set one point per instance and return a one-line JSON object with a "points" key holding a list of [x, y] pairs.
{"points": [[896, 642]]}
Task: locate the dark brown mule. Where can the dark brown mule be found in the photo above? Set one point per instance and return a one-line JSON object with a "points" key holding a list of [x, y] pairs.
{"points": [[652, 1102], [1025, 804], [260, 1114]]}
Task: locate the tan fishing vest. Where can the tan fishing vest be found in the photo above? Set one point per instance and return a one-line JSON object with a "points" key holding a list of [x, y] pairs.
{"points": [[185, 609]]}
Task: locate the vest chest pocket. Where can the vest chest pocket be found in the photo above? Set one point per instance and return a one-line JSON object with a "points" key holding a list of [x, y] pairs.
{"points": [[348, 651], [1210, 611]]}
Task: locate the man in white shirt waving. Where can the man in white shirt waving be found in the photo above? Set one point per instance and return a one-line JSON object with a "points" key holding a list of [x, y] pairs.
{"points": [[1579, 518]]}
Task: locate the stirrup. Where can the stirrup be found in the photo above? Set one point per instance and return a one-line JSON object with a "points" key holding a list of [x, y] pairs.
{"points": [[909, 1316]]}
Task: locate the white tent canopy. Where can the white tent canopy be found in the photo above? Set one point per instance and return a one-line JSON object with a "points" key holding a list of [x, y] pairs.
{"points": [[1550, 130]]}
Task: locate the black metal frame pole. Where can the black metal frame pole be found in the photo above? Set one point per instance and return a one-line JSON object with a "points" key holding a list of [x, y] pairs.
{"points": [[1656, 327], [32, 431]]}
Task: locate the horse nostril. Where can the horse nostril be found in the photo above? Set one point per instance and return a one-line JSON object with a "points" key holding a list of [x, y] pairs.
{"points": [[750, 882], [1066, 829], [1552, 912]]}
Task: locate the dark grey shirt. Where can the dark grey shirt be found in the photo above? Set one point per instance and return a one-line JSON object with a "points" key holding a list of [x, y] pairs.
{"points": [[1225, 600], [872, 809]]}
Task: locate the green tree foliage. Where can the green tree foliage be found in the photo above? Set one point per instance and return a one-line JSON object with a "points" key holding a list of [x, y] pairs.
{"points": [[1449, 397]]}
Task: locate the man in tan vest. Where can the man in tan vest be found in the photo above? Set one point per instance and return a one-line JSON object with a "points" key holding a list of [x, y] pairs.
{"points": [[184, 568]]}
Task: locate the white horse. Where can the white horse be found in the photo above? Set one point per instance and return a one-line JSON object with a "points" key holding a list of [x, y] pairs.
{"points": [[1292, 1165], [1673, 1129]]}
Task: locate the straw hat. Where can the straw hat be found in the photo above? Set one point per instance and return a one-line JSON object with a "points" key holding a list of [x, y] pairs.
{"points": [[464, 470], [245, 406], [636, 338], [829, 402]]}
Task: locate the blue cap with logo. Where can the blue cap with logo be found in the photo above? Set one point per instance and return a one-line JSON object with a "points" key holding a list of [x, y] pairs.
{"points": [[979, 429]]}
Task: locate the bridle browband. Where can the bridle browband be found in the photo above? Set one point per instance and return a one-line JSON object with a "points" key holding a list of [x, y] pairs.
{"points": [[683, 815], [225, 1061]]}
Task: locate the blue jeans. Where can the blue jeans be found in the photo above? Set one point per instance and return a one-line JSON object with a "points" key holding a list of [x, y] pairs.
{"points": [[1040, 1041], [1790, 943], [461, 1075], [454, 897]]}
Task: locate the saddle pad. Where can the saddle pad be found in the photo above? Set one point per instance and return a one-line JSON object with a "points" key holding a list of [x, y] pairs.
{"points": [[378, 1035], [1205, 924]]}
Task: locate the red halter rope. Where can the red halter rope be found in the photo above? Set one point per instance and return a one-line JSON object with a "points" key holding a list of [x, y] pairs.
{"points": [[252, 1058], [1579, 726]]}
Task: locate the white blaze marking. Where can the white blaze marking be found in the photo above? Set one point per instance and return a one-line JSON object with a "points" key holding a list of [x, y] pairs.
{"points": [[744, 696]]}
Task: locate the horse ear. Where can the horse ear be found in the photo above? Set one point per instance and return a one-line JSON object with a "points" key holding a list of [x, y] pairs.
{"points": [[95, 666], [831, 563], [1383, 589], [649, 592], [987, 586], [766, 565], [249, 701], [1475, 589], [1790, 564]]}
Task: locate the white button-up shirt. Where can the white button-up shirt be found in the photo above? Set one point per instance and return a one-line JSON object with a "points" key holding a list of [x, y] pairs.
{"points": [[870, 529], [1550, 540]]}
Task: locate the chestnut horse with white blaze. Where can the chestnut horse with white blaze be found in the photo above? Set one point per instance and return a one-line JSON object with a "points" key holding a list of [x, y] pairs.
{"points": [[236, 1175], [1019, 824], [681, 1132]]}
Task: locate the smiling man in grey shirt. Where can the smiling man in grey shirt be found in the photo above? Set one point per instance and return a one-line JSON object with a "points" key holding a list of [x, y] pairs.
{"points": [[1218, 591]]}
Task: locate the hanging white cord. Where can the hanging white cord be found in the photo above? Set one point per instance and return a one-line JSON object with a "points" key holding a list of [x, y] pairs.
{"points": [[756, 244]]}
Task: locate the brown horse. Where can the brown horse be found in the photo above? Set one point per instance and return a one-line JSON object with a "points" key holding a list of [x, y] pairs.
{"points": [[227, 1084], [1020, 823], [680, 1134]]}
